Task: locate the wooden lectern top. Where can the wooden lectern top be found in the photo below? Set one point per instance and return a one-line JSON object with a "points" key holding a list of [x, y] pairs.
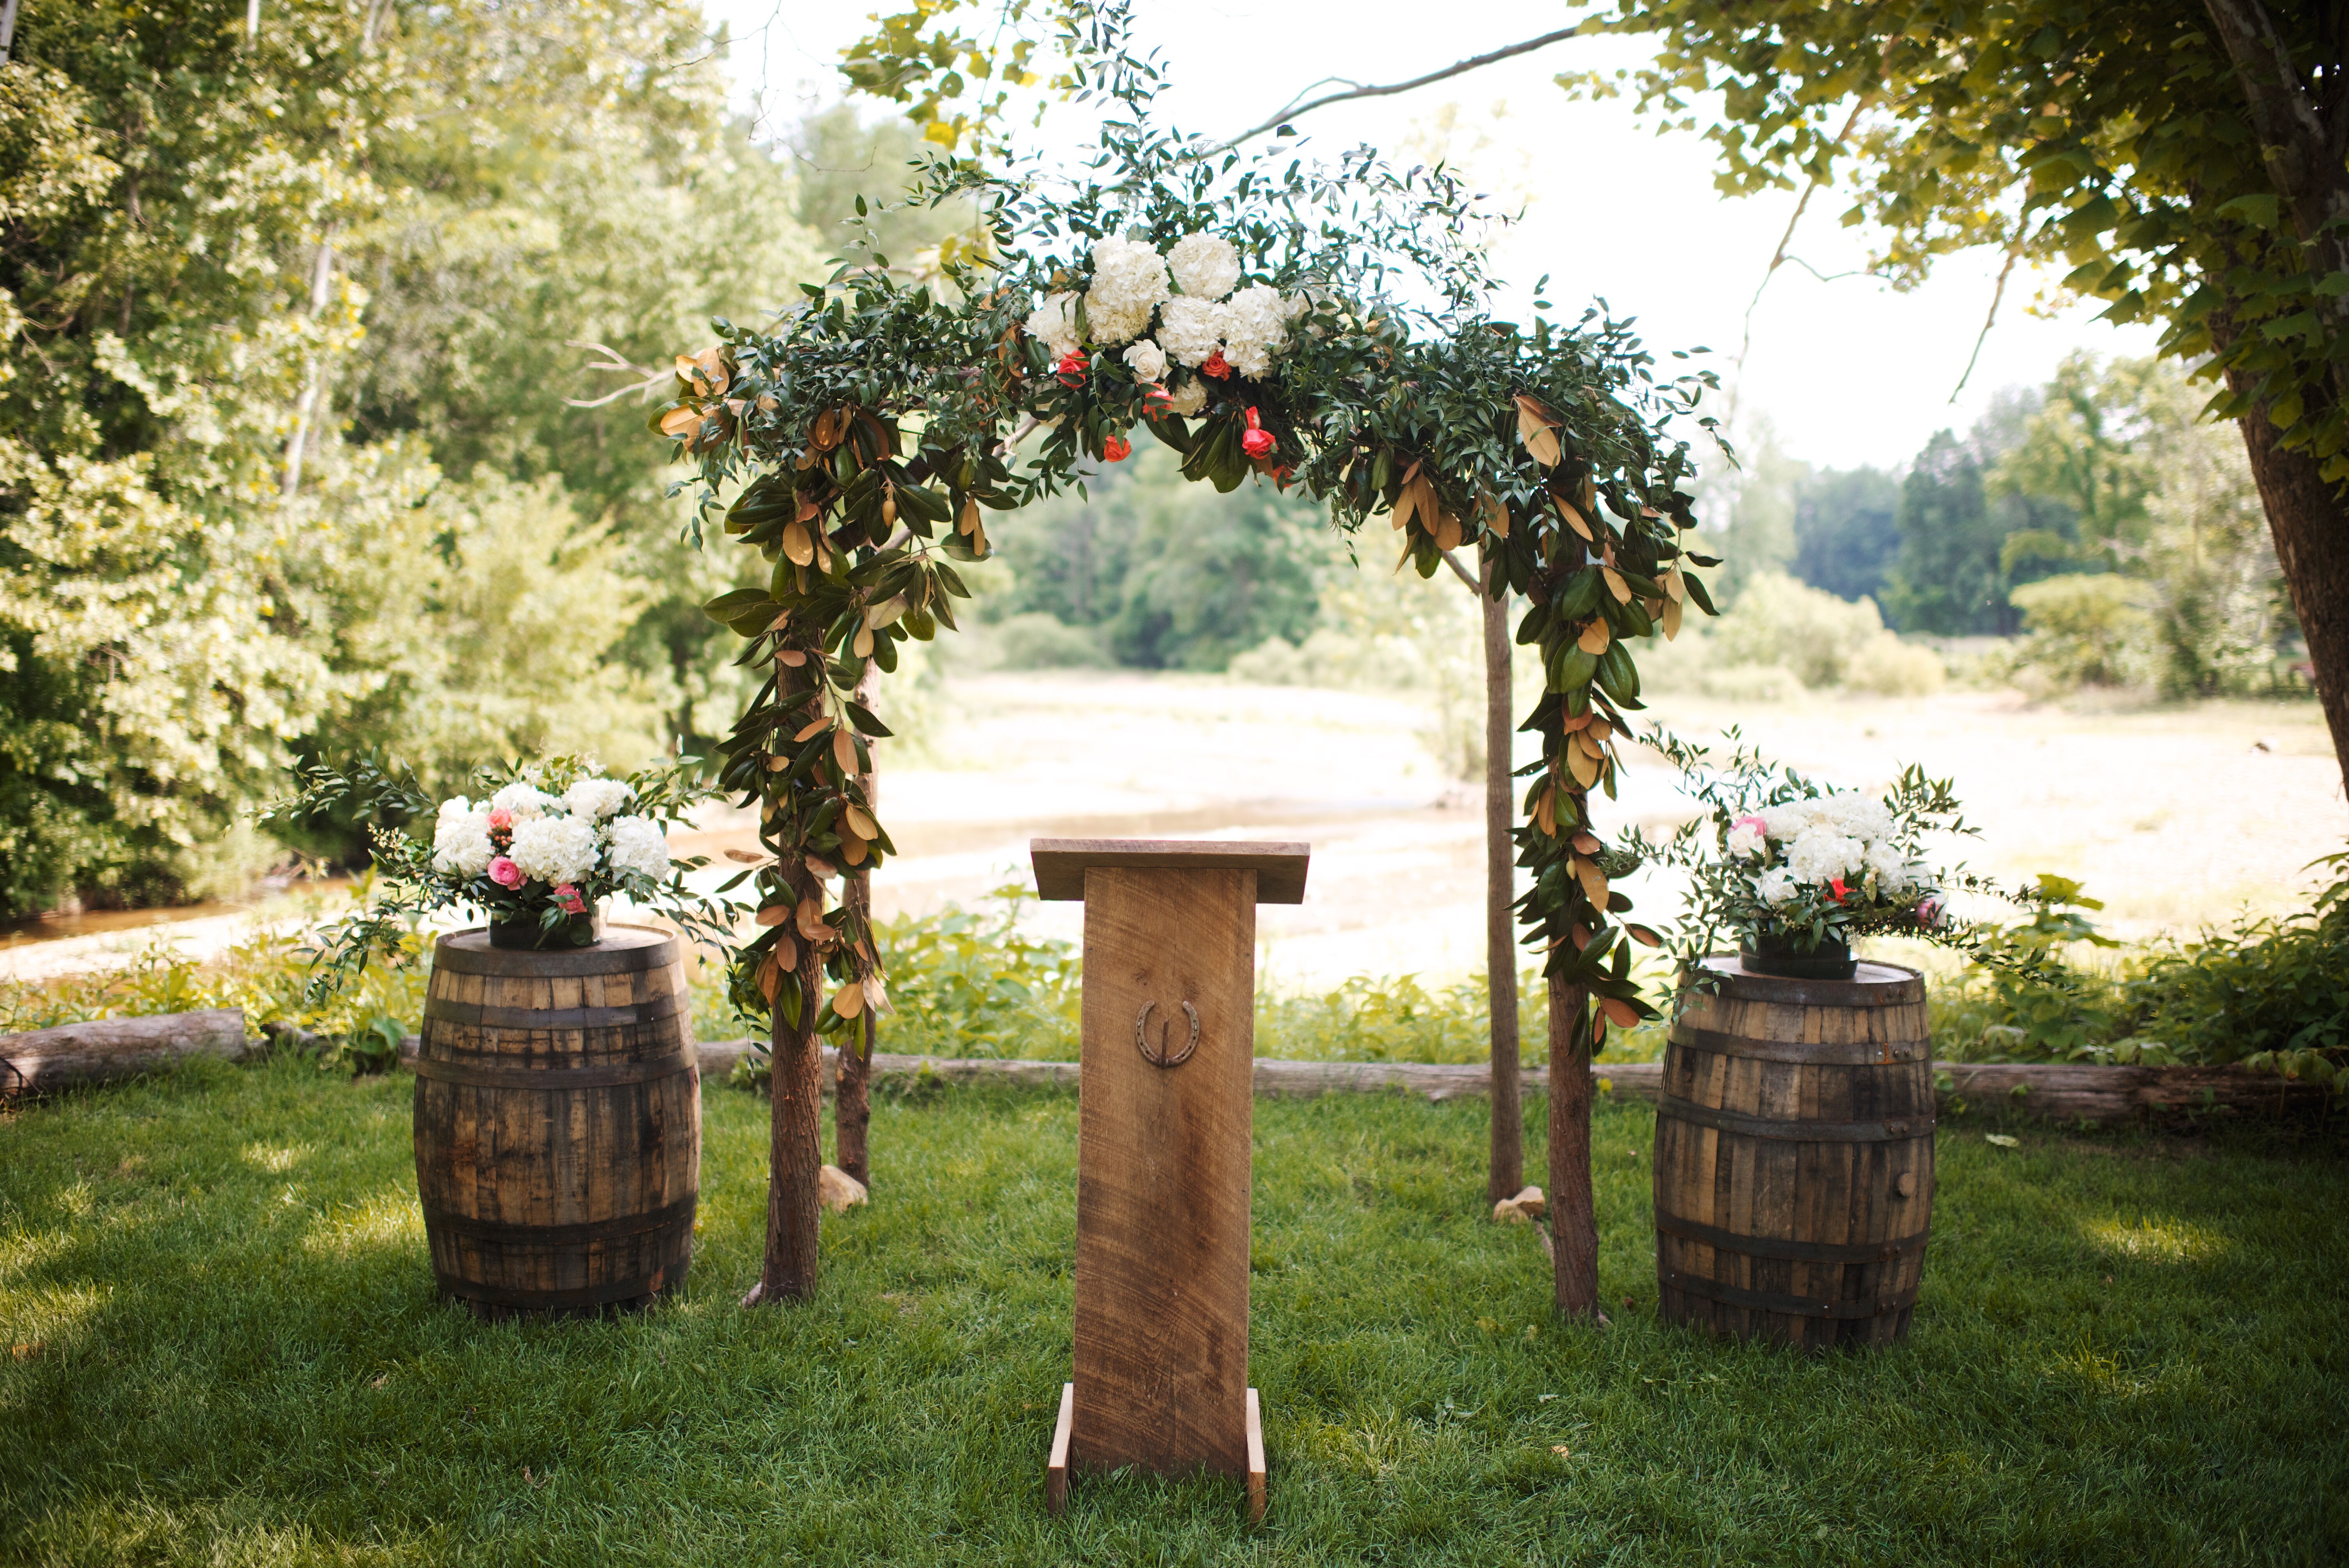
{"points": [[1060, 863]]}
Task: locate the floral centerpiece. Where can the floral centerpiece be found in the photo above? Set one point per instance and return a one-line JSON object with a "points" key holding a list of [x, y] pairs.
{"points": [[1796, 869], [536, 848]]}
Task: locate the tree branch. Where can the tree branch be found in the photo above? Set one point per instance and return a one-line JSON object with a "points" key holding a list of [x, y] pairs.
{"points": [[2013, 254], [1458, 67], [1461, 571]]}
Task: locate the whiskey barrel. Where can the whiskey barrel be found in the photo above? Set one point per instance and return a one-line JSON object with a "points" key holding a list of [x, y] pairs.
{"points": [[1794, 1157], [558, 1123]]}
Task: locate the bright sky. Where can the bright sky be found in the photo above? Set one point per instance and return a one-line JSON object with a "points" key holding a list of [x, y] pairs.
{"points": [[1846, 371]]}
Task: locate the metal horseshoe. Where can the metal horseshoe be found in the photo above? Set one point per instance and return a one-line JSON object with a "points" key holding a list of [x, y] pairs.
{"points": [[1159, 1058]]}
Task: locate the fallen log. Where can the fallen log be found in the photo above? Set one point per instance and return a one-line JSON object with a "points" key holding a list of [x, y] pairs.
{"points": [[109, 1048], [2069, 1091]]}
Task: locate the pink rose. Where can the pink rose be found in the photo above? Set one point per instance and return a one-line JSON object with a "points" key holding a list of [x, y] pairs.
{"points": [[1929, 913], [1761, 828], [504, 872], [500, 820], [567, 900]]}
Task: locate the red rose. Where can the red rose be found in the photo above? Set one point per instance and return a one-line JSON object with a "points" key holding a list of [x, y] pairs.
{"points": [[1117, 449], [1072, 369], [1841, 891], [1215, 366], [1154, 401], [1259, 441]]}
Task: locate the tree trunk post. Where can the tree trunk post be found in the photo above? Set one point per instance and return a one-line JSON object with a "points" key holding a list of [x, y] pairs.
{"points": [[1508, 1177], [852, 1093], [795, 1138], [1573, 1219]]}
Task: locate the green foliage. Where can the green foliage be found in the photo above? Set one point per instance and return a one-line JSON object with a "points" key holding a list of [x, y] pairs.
{"points": [[1846, 531], [971, 983], [1953, 572], [1822, 641], [233, 1349], [2082, 630], [1173, 576]]}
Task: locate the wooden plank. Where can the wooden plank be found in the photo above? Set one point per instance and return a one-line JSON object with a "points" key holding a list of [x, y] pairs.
{"points": [[1255, 1458], [1056, 1462], [1061, 863], [1162, 1156]]}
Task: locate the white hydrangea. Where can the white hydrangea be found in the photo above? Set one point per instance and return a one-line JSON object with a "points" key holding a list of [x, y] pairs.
{"points": [[1191, 330], [1820, 854], [1895, 875], [1745, 841], [1129, 280], [596, 798], [554, 849], [1146, 360], [1189, 397], [1206, 267], [1775, 886], [461, 840], [639, 845], [1055, 321], [1255, 328], [1859, 816], [1786, 822], [524, 800]]}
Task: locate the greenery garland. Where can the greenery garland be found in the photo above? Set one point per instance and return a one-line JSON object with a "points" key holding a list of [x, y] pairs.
{"points": [[864, 440]]}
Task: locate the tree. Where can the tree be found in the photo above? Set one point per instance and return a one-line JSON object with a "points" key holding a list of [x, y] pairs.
{"points": [[1847, 530], [2184, 161]]}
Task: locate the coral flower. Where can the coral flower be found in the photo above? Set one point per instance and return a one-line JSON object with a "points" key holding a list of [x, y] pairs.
{"points": [[1216, 366], [1259, 441], [1116, 449], [1841, 891], [504, 872], [1154, 401], [1071, 369], [500, 820]]}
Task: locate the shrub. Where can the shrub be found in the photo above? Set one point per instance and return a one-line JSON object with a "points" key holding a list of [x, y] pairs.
{"points": [[2083, 629], [1782, 636], [1035, 640]]}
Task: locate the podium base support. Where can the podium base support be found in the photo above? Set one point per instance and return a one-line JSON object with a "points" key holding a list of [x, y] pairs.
{"points": [[1056, 1463]]}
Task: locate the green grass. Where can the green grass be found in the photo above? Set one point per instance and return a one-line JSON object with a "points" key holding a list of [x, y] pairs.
{"points": [[226, 1350]]}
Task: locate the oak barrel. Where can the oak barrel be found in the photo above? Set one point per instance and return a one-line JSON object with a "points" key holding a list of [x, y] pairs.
{"points": [[1794, 1159], [558, 1123]]}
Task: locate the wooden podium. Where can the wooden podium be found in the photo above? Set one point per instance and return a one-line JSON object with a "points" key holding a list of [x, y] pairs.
{"points": [[1166, 1086]]}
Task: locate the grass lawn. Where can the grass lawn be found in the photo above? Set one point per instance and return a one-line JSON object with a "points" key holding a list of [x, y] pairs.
{"points": [[225, 1349]]}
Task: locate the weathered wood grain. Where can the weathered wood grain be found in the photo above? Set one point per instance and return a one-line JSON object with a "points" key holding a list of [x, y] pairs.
{"points": [[1794, 1159], [1163, 1182], [111, 1048], [1061, 863], [558, 1123]]}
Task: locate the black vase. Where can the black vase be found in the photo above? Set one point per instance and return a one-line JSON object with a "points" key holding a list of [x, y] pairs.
{"points": [[1769, 954], [523, 932]]}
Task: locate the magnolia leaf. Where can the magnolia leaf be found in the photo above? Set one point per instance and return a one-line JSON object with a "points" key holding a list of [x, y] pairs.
{"points": [[1584, 766], [1671, 619], [746, 857], [876, 995], [1644, 936], [843, 751], [1587, 843], [1623, 1013], [680, 421], [1673, 585], [861, 823], [797, 545], [1574, 518], [1447, 532], [1593, 881], [787, 952], [861, 646], [790, 656], [851, 850], [771, 977], [1546, 812], [1405, 505], [1616, 585], [1496, 516], [813, 729], [849, 1000], [1594, 639], [775, 915], [811, 920]]}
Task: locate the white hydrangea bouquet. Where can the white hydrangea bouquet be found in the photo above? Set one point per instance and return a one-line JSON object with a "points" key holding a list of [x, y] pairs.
{"points": [[1796, 869], [1176, 325], [536, 849]]}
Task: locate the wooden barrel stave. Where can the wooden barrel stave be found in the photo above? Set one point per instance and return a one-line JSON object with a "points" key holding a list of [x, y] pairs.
{"points": [[578, 1193], [1785, 1123]]}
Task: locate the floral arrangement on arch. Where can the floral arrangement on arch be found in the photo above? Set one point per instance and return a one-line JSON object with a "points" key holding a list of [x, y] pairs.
{"points": [[536, 849], [1208, 329]]}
